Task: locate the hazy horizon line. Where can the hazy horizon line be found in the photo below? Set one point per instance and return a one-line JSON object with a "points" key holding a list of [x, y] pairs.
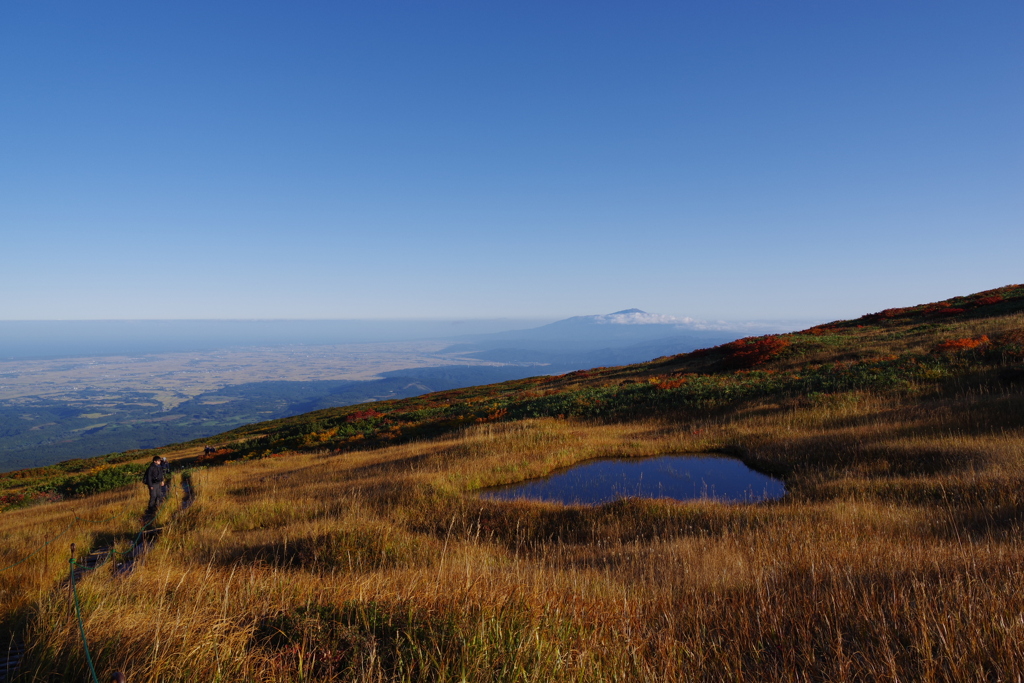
{"points": [[424, 319]]}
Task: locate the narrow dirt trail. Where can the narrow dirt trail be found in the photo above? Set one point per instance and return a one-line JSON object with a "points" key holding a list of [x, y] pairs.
{"points": [[13, 652]]}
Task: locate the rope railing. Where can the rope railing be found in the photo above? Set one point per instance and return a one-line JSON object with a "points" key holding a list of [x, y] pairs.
{"points": [[78, 615], [75, 568], [116, 677]]}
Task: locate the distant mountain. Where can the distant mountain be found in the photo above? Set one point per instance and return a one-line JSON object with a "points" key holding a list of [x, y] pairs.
{"points": [[62, 427], [630, 316], [628, 336]]}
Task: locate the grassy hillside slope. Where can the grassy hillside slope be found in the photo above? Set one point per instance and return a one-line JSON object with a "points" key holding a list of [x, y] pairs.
{"points": [[347, 544]]}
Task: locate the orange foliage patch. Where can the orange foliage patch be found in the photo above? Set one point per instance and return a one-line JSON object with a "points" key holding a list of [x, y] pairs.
{"points": [[891, 313], [751, 351], [362, 415], [941, 308], [673, 383], [962, 344], [494, 416]]}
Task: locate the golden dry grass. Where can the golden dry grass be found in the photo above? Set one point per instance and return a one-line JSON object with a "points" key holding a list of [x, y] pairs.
{"points": [[897, 557]]}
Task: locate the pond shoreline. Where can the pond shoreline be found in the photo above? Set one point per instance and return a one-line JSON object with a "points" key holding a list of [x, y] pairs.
{"points": [[683, 477]]}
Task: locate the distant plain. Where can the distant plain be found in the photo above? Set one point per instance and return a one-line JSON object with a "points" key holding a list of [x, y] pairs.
{"points": [[52, 409], [78, 389]]}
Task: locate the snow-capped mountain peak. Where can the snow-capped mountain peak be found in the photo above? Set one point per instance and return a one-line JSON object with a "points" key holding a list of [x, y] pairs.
{"points": [[635, 316]]}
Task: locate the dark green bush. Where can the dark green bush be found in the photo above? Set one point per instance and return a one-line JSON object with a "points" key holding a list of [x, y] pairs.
{"points": [[104, 480]]}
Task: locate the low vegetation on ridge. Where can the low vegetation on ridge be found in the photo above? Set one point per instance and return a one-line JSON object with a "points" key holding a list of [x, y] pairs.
{"points": [[347, 544]]}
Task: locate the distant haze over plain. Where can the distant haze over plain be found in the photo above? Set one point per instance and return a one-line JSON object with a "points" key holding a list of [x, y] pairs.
{"points": [[83, 388], [57, 338], [77, 338]]}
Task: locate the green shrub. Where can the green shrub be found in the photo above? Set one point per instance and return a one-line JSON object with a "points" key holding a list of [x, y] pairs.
{"points": [[96, 482]]}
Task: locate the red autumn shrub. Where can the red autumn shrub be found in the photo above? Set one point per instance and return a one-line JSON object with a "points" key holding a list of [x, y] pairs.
{"points": [[988, 300], [962, 344], [362, 415], [1001, 291], [673, 383], [751, 351], [941, 309]]}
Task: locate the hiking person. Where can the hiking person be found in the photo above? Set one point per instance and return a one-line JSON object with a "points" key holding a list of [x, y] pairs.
{"points": [[154, 479], [165, 468]]}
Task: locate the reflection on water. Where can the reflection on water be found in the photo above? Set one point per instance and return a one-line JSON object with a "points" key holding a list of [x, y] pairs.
{"points": [[671, 476]]}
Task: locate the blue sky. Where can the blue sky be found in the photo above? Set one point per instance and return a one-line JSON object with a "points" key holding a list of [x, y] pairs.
{"points": [[721, 160]]}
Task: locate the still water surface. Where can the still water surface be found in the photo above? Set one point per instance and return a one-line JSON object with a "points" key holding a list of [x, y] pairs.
{"points": [[681, 477]]}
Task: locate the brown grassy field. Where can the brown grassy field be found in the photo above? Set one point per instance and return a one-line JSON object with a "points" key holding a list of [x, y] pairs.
{"points": [[896, 556]]}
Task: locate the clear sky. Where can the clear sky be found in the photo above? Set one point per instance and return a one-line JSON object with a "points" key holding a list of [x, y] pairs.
{"points": [[355, 159]]}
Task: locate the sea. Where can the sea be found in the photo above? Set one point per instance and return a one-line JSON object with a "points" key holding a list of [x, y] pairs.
{"points": [[42, 339]]}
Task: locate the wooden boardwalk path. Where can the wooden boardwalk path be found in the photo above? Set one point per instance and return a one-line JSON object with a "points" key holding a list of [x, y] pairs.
{"points": [[12, 654]]}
